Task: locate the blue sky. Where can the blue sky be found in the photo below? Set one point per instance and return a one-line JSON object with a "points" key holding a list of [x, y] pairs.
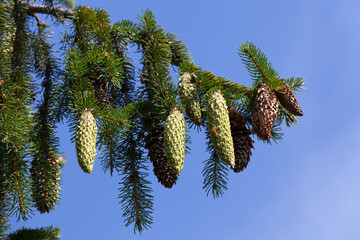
{"points": [[304, 187]]}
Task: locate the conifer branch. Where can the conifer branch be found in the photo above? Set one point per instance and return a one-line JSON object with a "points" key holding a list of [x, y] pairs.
{"points": [[214, 172], [48, 233], [108, 117], [18, 190], [45, 167], [16, 118], [137, 202], [259, 67], [39, 21], [100, 77], [51, 10], [4, 218], [247, 51]]}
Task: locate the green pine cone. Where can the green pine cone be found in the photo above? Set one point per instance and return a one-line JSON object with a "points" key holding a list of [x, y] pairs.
{"points": [[174, 140], [219, 127], [85, 141], [189, 98]]}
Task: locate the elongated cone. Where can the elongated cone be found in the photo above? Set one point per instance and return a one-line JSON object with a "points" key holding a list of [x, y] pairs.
{"points": [[155, 145], [189, 97], [265, 114], [287, 99], [219, 127], [45, 184], [174, 136], [85, 141], [242, 140]]}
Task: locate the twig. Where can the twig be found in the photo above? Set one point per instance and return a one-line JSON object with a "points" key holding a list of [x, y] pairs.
{"points": [[52, 10], [112, 119], [257, 65]]}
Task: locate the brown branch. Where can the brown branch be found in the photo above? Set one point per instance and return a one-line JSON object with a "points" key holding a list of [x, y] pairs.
{"points": [[75, 66], [52, 10], [39, 21]]}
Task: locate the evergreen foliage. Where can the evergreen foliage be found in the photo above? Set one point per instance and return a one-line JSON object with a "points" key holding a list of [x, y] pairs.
{"points": [[44, 233], [130, 108]]}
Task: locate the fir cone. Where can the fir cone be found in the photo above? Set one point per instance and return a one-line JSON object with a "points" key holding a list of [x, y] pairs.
{"points": [[219, 127], [265, 114], [287, 99], [174, 136], [155, 145], [242, 140], [85, 141], [45, 185], [189, 97]]}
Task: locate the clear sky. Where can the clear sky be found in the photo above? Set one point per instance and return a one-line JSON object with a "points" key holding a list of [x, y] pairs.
{"points": [[305, 187]]}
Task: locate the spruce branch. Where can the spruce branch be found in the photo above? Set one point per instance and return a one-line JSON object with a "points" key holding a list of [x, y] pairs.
{"points": [[50, 10], [179, 51], [4, 216], [214, 172], [260, 69], [48, 233], [15, 118], [108, 117], [135, 192], [296, 84], [159, 87], [45, 167], [208, 81], [99, 76]]}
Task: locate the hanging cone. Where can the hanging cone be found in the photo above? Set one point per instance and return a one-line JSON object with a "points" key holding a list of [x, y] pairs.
{"points": [[45, 184], [155, 145], [219, 127], [85, 141], [265, 114], [189, 97], [174, 135], [242, 140], [287, 99]]}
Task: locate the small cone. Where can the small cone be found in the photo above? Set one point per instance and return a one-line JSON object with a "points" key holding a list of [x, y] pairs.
{"points": [[287, 99], [85, 141], [265, 114], [162, 170], [242, 140]]}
